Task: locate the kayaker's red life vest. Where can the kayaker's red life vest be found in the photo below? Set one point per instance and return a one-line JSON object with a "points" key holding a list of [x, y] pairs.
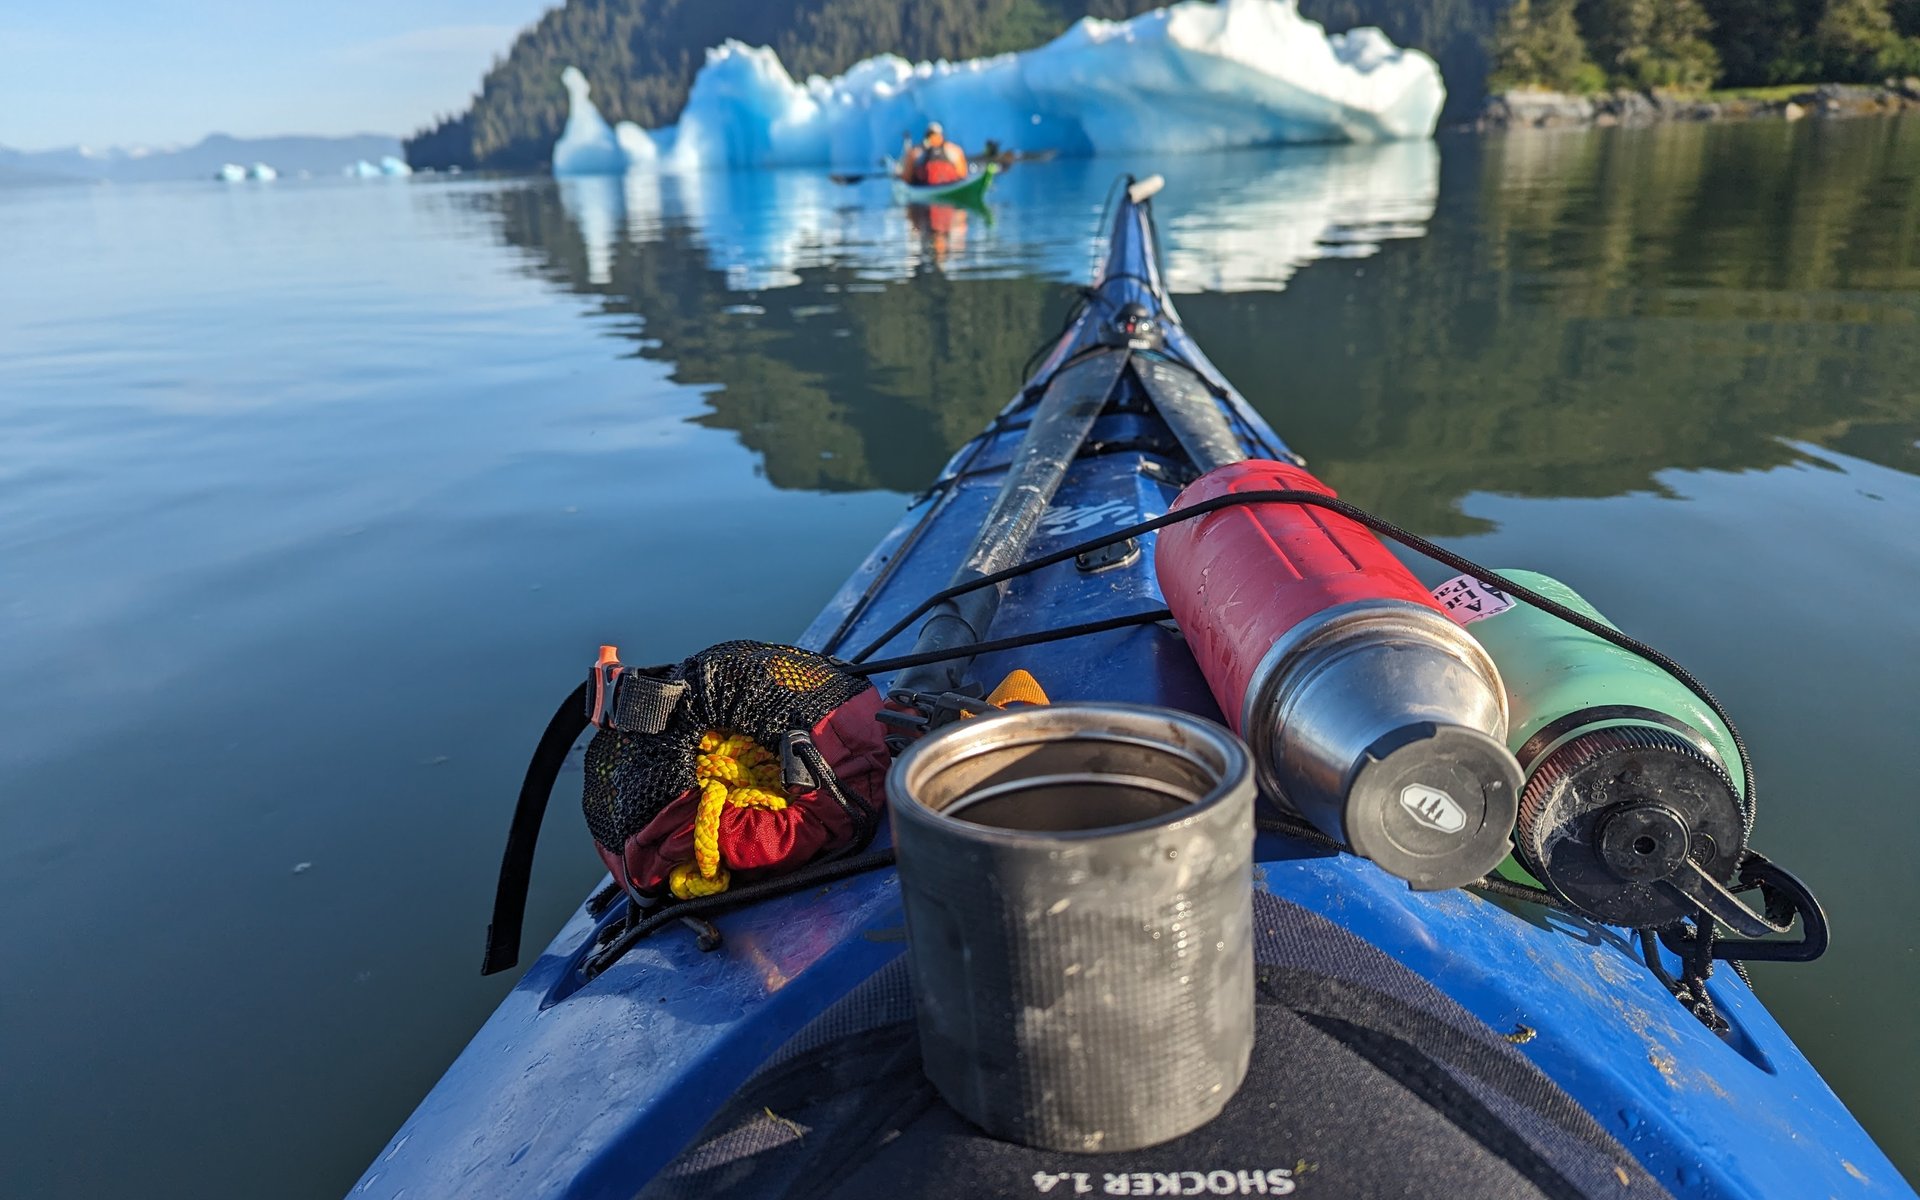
{"points": [[942, 170], [933, 166]]}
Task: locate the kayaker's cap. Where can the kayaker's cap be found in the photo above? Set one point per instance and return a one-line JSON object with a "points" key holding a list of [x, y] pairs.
{"points": [[935, 130]]}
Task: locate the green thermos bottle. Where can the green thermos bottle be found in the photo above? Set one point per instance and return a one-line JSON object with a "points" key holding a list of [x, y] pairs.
{"points": [[1634, 809]]}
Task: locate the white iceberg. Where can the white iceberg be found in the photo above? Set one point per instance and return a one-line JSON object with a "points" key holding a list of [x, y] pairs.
{"points": [[230, 173], [262, 171], [1196, 76], [389, 165], [587, 145], [637, 147]]}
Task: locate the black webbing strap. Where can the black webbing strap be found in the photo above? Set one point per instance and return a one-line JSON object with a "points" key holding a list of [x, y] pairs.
{"points": [[644, 703], [516, 865]]}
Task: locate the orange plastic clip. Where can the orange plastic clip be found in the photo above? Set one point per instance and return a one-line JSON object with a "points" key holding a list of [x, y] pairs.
{"points": [[606, 675]]}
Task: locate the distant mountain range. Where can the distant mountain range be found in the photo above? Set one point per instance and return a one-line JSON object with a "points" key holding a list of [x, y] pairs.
{"points": [[287, 155]]}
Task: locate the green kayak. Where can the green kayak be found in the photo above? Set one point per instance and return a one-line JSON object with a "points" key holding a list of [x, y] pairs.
{"points": [[971, 191]]}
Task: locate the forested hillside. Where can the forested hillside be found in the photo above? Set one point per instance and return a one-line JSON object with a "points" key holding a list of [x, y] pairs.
{"points": [[1584, 45], [641, 55]]}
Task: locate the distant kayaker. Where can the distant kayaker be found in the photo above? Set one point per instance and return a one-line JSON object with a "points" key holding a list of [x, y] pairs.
{"points": [[935, 160]]}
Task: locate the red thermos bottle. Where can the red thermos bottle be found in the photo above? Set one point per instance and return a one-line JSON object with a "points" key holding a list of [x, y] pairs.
{"points": [[1370, 713]]}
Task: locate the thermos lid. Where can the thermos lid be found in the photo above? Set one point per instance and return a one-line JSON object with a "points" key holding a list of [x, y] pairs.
{"points": [[1613, 812], [1434, 804]]}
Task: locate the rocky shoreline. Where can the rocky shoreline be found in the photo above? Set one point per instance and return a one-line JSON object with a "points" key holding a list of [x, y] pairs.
{"points": [[1526, 109]]}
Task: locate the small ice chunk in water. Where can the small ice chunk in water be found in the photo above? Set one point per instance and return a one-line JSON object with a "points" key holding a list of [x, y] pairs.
{"points": [[389, 165]]}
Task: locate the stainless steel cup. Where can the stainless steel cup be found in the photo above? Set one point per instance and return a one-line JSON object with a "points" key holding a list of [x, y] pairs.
{"points": [[1078, 890]]}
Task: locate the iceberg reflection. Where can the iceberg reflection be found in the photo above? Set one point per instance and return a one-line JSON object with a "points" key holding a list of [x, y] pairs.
{"points": [[853, 342], [1231, 223]]}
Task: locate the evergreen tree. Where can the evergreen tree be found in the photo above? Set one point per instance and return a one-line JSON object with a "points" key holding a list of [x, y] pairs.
{"points": [[448, 142], [1856, 41], [1903, 57], [1763, 41], [1540, 46], [1678, 52], [1651, 43], [1615, 30]]}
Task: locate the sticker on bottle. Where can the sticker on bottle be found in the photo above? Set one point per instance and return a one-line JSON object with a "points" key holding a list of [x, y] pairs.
{"points": [[1467, 599]]}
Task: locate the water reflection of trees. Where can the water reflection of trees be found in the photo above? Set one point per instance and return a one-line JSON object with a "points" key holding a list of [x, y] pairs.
{"points": [[851, 347], [1586, 311], [1590, 310], [839, 382]]}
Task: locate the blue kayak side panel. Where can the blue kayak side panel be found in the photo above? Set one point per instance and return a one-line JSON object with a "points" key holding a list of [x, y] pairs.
{"points": [[593, 1095], [1740, 1116]]}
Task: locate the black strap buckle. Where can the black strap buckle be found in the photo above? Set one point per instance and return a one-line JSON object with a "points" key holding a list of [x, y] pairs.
{"points": [[796, 773], [919, 713], [630, 699]]}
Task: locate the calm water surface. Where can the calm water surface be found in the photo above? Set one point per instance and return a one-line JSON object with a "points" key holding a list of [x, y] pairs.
{"points": [[315, 497]]}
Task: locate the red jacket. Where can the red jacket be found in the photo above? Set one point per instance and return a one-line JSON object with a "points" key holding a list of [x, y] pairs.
{"points": [[945, 163]]}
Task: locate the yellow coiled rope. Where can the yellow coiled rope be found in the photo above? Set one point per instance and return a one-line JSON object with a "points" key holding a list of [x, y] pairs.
{"points": [[732, 769]]}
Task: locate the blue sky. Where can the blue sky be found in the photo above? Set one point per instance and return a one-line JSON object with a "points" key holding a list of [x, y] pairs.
{"points": [[127, 72]]}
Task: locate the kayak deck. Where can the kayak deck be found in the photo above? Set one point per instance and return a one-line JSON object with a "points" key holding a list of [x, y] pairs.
{"points": [[589, 1088]]}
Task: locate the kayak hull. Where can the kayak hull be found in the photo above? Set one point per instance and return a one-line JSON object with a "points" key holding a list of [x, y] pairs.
{"points": [[970, 192], [588, 1088]]}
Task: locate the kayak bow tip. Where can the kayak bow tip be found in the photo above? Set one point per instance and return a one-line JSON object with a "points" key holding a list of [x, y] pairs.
{"points": [[1143, 190]]}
